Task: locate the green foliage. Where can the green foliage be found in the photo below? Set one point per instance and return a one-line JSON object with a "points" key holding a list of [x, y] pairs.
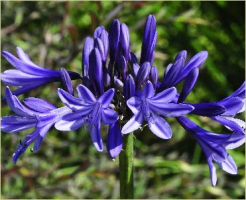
{"points": [[67, 165]]}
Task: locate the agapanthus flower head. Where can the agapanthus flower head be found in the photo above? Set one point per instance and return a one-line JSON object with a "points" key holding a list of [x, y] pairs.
{"points": [[122, 91]]}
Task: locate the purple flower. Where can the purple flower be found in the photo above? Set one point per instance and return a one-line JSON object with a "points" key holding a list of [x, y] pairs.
{"points": [[214, 147], [87, 110], [178, 71], [33, 113], [149, 106], [27, 74]]}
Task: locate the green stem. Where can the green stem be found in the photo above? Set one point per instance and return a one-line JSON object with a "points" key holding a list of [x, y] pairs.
{"points": [[126, 168]]}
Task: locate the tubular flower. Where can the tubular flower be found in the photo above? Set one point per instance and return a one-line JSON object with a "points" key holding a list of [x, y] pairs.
{"points": [[33, 113], [214, 147], [87, 110], [149, 106], [27, 74]]}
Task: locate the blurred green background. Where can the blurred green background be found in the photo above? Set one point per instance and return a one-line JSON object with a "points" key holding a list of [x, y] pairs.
{"points": [[67, 164]]}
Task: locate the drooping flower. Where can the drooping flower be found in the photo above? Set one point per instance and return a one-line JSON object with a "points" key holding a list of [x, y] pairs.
{"points": [[148, 107], [33, 113], [214, 147], [27, 74], [87, 110]]}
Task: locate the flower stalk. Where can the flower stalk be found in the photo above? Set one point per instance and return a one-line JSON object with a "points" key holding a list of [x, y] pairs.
{"points": [[126, 168]]}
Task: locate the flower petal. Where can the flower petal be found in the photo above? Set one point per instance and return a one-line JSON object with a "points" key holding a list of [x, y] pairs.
{"points": [[109, 116], [160, 127], [207, 109], [96, 136], [229, 165], [165, 96], [25, 58], [233, 105], [16, 105], [133, 124], [85, 94], [170, 109], [64, 125], [114, 140], [38, 105], [134, 104], [66, 81], [71, 101], [24, 144], [27, 68], [13, 124], [148, 91], [17, 78], [106, 98], [212, 170], [231, 123], [240, 92], [189, 83]]}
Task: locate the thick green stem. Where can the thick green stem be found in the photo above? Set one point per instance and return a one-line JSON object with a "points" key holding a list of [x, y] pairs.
{"points": [[126, 168]]}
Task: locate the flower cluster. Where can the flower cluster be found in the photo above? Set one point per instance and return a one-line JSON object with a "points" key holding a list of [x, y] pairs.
{"points": [[123, 93]]}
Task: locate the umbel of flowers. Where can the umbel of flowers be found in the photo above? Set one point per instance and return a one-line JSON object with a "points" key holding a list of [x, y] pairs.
{"points": [[124, 93]]}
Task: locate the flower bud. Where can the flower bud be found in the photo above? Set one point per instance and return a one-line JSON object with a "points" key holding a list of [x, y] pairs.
{"points": [[96, 71], [88, 46], [122, 65], [154, 76], [125, 41], [188, 84], [99, 45], [118, 84], [106, 77], [66, 81], [143, 74], [114, 38], [104, 39], [98, 32], [129, 87]]}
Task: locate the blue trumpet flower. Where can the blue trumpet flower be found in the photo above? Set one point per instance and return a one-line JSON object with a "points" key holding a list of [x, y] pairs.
{"points": [[27, 74], [214, 147], [149, 106], [33, 113], [87, 109]]}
